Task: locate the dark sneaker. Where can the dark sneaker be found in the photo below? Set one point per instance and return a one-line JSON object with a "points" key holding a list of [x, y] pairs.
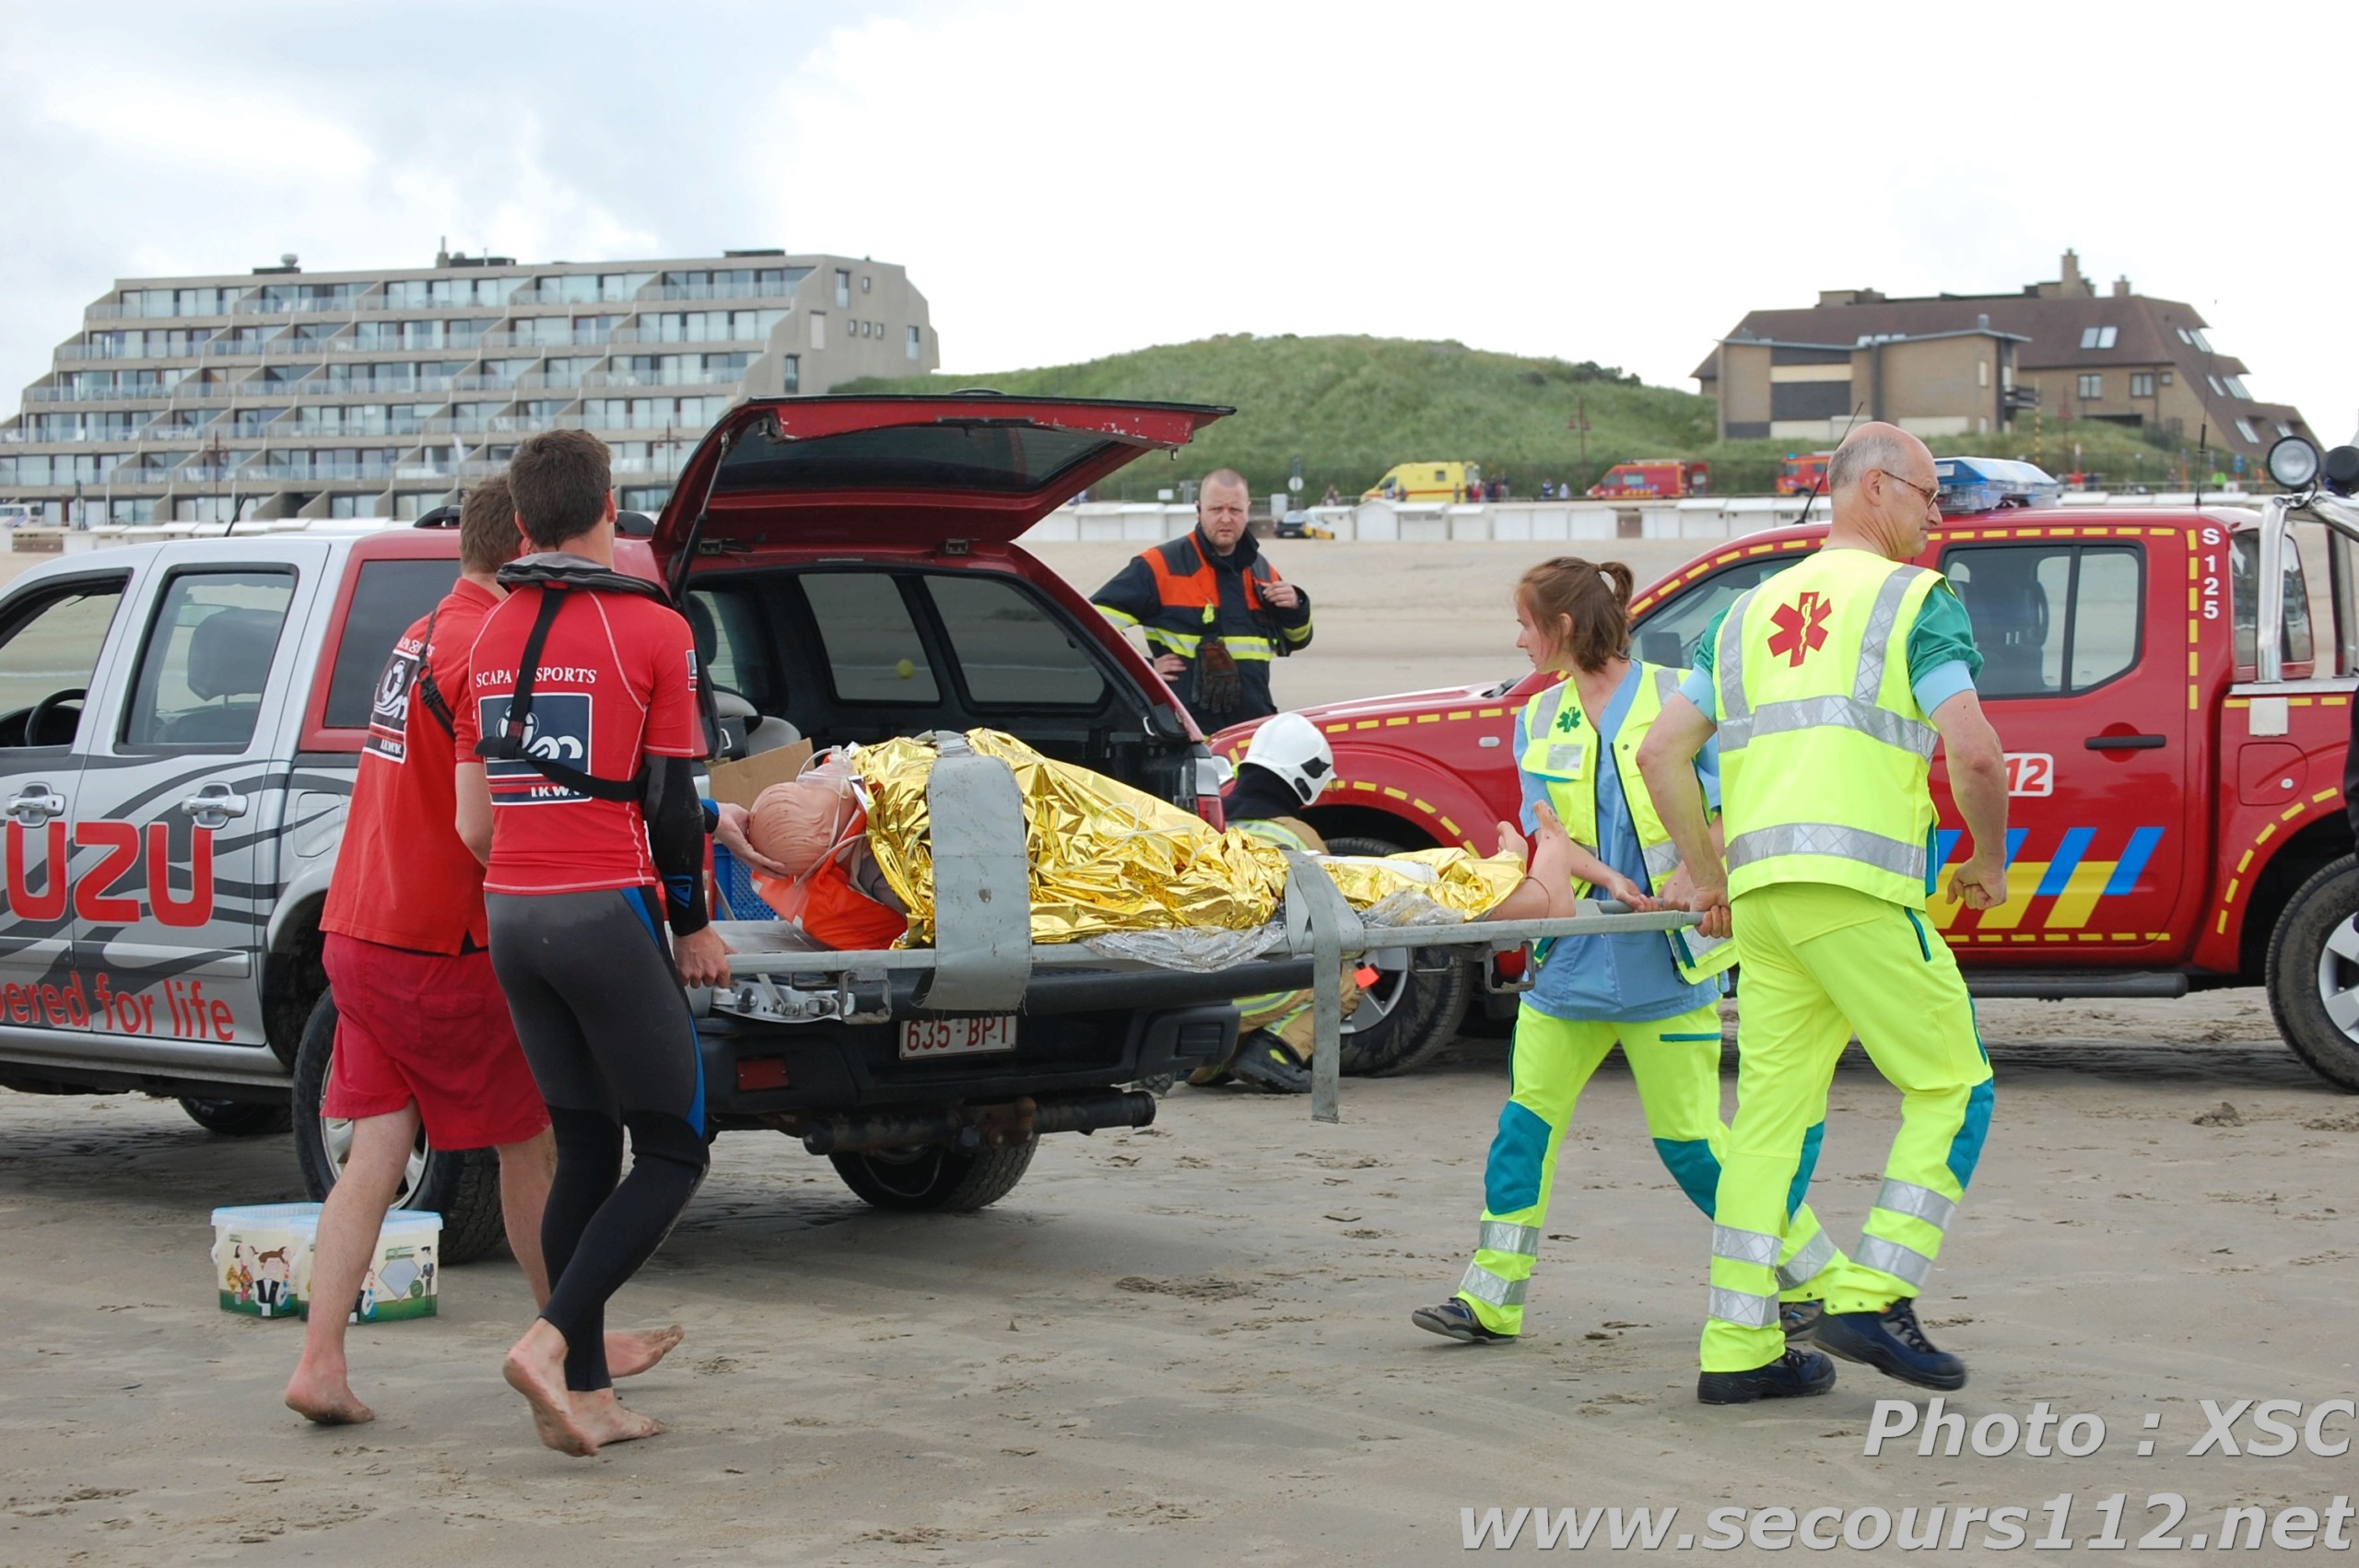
{"points": [[1792, 1375], [1266, 1064], [1891, 1342], [1453, 1319], [1799, 1319]]}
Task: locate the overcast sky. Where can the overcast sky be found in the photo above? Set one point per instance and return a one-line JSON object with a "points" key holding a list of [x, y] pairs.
{"points": [[1069, 179]]}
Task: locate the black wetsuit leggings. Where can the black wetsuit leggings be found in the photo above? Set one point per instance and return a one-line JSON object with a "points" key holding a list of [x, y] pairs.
{"points": [[606, 1027]]}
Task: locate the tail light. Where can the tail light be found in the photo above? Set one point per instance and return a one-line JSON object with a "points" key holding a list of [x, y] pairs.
{"points": [[1212, 810]]}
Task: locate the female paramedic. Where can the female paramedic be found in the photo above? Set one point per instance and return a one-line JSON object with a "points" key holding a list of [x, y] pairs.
{"points": [[1654, 993]]}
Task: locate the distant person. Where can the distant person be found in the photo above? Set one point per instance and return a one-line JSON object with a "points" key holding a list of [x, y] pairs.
{"points": [[404, 919], [1333, 497], [1213, 611]]}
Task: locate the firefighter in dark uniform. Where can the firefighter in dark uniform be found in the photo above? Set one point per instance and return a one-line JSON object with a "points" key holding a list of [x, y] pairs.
{"points": [[1213, 612]]}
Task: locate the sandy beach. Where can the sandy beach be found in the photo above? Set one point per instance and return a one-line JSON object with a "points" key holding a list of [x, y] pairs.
{"points": [[1192, 1342]]}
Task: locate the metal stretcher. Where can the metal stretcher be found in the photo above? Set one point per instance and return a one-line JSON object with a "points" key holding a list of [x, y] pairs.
{"points": [[983, 959]]}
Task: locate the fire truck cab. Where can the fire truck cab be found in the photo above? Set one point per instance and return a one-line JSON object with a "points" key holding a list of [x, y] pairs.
{"points": [[2174, 693]]}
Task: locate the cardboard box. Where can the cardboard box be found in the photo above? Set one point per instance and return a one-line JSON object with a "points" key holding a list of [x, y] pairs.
{"points": [[261, 1263], [736, 783]]}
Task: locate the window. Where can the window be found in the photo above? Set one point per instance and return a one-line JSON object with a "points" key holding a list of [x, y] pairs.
{"points": [[2236, 387], [2218, 391], [792, 365], [1669, 632], [1010, 650], [388, 596], [873, 654], [2284, 428], [843, 289], [864, 282], [2166, 378], [207, 657], [2051, 620], [728, 626], [2141, 384], [2195, 335], [2098, 337], [915, 343], [2244, 570], [2244, 429], [51, 648], [2092, 387]]}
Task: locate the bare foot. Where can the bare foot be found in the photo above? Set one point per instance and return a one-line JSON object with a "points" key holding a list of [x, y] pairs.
{"points": [[630, 1353], [1513, 843], [327, 1398], [1551, 861], [608, 1420], [536, 1368]]}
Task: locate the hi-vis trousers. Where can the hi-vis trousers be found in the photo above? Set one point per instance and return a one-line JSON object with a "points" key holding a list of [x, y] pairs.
{"points": [[1820, 963], [1676, 1063]]}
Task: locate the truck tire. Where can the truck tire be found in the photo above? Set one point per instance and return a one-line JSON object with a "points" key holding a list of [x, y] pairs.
{"points": [[240, 1119], [462, 1185], [916, 1181], [1408, 1014], [2314, 973]]}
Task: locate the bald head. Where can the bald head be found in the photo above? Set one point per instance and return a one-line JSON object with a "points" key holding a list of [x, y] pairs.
{"points": [[1882, 480]]}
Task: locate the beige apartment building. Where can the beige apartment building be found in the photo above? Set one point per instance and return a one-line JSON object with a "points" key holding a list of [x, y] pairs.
{"points": [[1963, 363], [279, 393]]}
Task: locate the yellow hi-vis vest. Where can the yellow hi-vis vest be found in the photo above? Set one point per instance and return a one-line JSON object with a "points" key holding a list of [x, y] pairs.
{"points": [[1560, 749], [1825, 755], [1270, 1007]]}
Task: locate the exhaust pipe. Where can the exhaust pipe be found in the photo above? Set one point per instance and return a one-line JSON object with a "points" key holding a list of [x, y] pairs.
{"points": [[973, 1127]]}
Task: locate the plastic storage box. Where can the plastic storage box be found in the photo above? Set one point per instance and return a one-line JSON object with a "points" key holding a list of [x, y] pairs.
{"points": [[261, 1263]]}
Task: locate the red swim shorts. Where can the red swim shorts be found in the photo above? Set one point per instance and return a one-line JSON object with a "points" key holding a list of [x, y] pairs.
{"points": [[429, 1027]]}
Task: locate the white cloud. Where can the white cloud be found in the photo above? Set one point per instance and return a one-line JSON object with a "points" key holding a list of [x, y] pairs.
{"points": [[1066, 180]]}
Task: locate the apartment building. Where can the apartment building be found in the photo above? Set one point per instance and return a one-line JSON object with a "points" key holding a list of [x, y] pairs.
{"points": [[1962, 364], [380, 393]]}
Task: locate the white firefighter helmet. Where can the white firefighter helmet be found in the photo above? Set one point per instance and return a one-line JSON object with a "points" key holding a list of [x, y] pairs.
{"points": [[1291, 748]]}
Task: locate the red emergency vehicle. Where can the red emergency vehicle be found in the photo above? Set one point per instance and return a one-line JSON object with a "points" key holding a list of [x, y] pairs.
{"points": [[2175, 715], [1801, 474], [1653, 478]]}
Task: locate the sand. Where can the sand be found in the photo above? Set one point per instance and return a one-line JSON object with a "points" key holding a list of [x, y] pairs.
{"points": [[1192, 1342]]}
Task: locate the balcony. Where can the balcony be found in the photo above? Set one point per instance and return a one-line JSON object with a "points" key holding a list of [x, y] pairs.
{"points": [[286, 472], [255, 305], [98, 394], [100, 351], [579, 339], [722, 291]]}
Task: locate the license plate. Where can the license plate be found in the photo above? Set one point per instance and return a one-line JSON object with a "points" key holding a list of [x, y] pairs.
{"points": [[923, 1037]]}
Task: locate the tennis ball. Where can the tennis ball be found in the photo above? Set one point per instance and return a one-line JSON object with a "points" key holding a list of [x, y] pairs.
{"points": [[905, 669]]}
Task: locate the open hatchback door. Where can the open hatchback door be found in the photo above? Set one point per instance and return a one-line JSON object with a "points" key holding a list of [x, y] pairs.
{"points": [[884, 472]]}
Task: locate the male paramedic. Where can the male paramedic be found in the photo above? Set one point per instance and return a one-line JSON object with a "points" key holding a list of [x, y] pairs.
{"points": [[582, 707], [422, 1029], [1830, 685]]}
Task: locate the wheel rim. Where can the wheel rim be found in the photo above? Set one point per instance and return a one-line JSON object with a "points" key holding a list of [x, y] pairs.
{"points": [[1377, 1001], [2339, 977], [910, 1173], [335, 1142]]}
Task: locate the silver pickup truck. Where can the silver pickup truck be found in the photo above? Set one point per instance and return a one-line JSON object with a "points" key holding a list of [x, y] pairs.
{"points": [[180, 725]]}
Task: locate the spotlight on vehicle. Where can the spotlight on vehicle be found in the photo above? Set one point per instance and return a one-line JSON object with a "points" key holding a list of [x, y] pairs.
{"points": [[2342, 470], [2293, 464]]}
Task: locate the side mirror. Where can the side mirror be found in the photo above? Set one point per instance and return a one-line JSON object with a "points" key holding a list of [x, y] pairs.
{"points": [[631, 525], [2342, 470]]}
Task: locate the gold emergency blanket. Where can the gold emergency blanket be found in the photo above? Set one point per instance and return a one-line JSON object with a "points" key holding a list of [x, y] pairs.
{"points": [[1106, 858]]}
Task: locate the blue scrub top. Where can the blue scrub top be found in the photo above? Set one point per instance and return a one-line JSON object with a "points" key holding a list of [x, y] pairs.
{"points": [[1629, 978]]}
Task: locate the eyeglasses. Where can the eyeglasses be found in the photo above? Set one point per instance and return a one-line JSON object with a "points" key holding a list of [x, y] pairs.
{"points": [[1930, 494]]}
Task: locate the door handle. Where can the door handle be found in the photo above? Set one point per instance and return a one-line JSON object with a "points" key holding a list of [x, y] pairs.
{"points": [[36, 803], [214, 805], [2126, 743]]}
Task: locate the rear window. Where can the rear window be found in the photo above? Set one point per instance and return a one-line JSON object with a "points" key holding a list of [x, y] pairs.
{"points": [[874, 652], [950, 455], [387, 598], [2297, 646], [1011, 649]]}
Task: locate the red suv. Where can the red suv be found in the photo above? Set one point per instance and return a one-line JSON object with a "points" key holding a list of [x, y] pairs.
{"points": [[2175, 757]]}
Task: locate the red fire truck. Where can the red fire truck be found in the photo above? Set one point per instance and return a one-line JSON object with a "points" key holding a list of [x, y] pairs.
{"points": [[1653, 479], [1802, 473], [2174, 726]]}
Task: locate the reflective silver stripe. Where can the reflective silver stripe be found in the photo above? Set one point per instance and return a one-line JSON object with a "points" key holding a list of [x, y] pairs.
{"points": [[1891, 1258], [1831, 840], [1182, 643], [1543, 711], [1917, 1202], [1666, 684], [1500, 1235], [1662, 860], [1484, 1285], [1882, 617], [1728, 663], [1841, 713], [1565, 758], [1745, 1246], [1744, 1311], [1804, 1265]]}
